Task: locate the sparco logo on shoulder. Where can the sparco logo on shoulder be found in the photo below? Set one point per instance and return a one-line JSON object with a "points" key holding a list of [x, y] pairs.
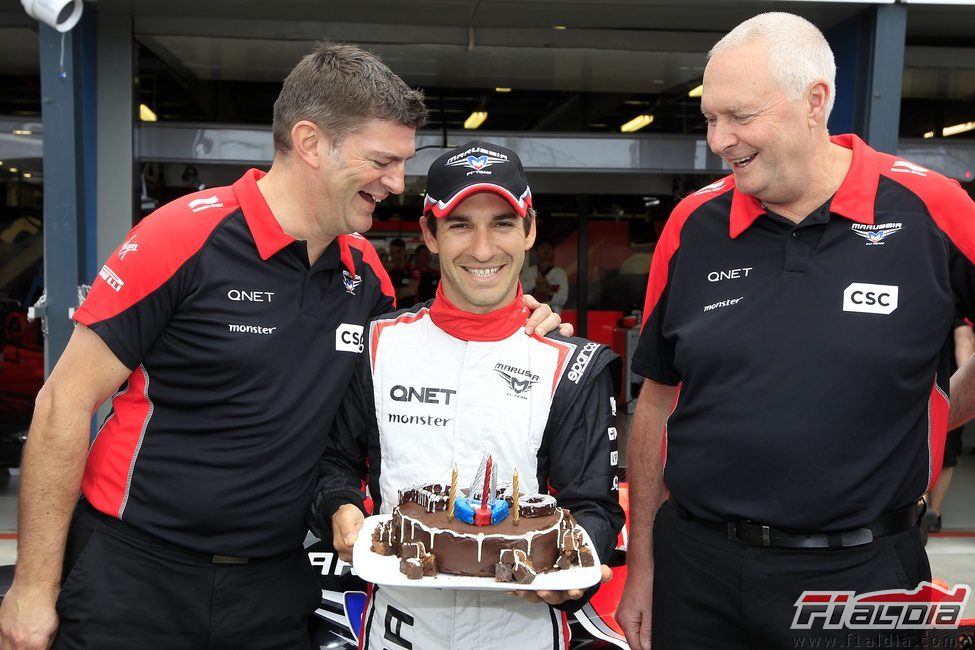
{"points": [[582, 362]]}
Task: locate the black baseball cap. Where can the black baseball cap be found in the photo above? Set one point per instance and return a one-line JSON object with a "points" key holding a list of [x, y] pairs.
{"points": [[476, 167]]}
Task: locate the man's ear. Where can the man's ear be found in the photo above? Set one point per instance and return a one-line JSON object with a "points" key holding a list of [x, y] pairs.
{"points": [[428, 238], [530, 237], [309, 142], [818, 98]]}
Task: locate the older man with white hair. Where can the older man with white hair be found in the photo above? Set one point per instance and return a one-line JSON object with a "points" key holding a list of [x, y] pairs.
{"points": [[797, 316]]}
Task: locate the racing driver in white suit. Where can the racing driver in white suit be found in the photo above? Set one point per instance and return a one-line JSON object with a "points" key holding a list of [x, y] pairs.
{"points": [[447, 381]]}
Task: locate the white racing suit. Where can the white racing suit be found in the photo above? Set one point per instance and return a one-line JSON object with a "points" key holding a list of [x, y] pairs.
{"points": [[421, 401]]}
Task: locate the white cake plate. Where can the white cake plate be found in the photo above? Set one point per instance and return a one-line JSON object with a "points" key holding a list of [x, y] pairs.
{"points": [[384, 569]]}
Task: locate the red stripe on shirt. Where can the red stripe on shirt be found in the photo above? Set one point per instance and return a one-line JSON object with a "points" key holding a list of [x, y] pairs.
{"points": [[154, 251], [563, 349], [363, 632], [112, 457], [380, 325], [369, 256], [670, 240], [937, 432], [949, 205]]}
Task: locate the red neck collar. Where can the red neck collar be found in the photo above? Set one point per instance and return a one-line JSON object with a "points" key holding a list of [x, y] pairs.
{"points": [[492, 326]]}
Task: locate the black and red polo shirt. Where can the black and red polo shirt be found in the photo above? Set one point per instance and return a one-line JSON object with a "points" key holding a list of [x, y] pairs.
{"points": [[240, 355], [812, 359]]}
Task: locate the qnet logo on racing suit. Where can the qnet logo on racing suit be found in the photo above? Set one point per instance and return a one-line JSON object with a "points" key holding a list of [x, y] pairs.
{"points": [[929, 606]]}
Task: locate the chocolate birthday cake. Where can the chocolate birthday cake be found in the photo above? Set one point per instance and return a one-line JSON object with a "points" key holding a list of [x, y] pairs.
{"points": [[465, 535]]}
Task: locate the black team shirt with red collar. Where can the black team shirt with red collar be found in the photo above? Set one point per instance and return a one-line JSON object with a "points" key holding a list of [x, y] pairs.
{"points": [[812, 359], [240, 355]]}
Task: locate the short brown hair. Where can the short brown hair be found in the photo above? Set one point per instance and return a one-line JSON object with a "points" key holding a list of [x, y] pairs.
{"points": [[339, 87], [529, 218]]}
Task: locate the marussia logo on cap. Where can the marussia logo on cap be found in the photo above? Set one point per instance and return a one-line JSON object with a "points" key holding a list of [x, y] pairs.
{"points": [[471, 160]]}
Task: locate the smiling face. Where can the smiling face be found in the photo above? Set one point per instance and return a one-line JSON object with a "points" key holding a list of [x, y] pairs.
{"points": [[482, 245], [367, 166], [764, 137]]}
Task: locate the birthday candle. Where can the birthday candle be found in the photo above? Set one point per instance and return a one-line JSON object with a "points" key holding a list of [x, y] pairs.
{"points": [[486, 490], [482, 516], [514, 501], [453, 494]]}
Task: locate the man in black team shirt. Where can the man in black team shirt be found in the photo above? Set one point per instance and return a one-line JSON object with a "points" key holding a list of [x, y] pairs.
{"points": [[802, 306], [231, 319]]}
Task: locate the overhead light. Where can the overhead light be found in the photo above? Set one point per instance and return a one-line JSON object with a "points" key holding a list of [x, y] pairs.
{"points": [[502, 90], [636, 102], [27, 174], [146, 114], [22, 132], [13, 170], [475, 120], [955, 129], [958, 128], [637, 123], [696, 91], [559, 27]]}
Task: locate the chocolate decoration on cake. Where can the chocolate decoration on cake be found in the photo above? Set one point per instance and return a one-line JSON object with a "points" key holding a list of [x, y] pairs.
{"points": [[585, 557], [433, 498], [412, 568], [414, 550], [382, 539], [523, 574], [536, 505], [521, 569], [567, 560]]}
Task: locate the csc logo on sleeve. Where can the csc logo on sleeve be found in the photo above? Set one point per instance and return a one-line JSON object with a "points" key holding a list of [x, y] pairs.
{"points": [[870, 298], [348, 338]]}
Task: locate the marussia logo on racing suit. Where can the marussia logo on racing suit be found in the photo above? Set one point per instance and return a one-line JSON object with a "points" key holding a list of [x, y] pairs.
{"points": [[510, 376], [928, 606]]}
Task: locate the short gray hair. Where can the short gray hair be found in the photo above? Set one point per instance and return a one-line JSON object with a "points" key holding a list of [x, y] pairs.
{"points": [[798, 53]]}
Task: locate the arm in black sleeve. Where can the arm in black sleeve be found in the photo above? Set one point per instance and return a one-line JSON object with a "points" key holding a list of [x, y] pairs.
{"points": [[344, 465], [384, 305], [578, 462]]}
